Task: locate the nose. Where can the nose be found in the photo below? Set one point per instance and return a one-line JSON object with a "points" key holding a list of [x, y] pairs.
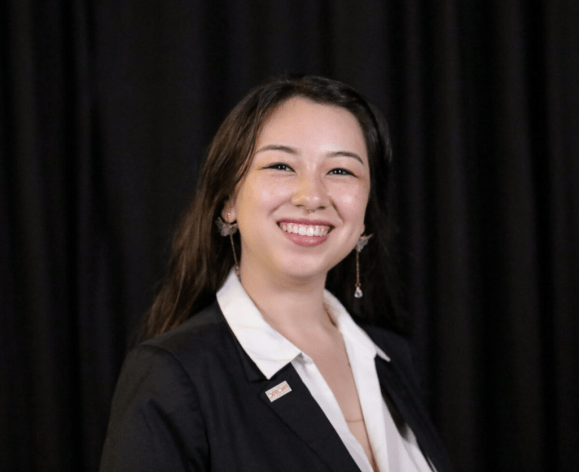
{"points": [[311, 193]]}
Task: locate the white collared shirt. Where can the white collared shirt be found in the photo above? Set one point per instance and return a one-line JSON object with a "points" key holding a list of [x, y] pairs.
{"points": [[393, 450]]}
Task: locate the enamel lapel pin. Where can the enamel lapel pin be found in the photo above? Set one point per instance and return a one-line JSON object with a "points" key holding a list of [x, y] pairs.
{"points": [[278, 391]]}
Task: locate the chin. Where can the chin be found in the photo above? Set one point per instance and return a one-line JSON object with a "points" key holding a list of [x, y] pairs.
{"points": [[301, 268]]}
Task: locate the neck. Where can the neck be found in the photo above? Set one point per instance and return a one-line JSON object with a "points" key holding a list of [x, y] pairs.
{"points": [[288, 304]]}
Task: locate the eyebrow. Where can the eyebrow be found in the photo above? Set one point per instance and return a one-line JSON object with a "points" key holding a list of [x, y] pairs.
{"points": [[291, 150], [278, 147], [346, 154]]}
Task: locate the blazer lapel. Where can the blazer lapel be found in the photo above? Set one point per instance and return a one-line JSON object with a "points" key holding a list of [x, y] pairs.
{"points": [[302, 414], [409, 406]]}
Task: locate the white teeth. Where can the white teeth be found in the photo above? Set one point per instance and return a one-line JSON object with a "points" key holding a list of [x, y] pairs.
{"points": [[304, 230]]}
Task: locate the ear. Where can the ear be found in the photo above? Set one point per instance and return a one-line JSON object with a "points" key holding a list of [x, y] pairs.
{"points": [[229, 214]]}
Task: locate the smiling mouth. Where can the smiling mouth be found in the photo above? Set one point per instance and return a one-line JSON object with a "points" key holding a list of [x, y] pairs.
{"points": [[305, 230]]}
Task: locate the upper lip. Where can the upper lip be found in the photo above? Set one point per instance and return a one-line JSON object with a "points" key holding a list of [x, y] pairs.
{"points": [[304, 221]]}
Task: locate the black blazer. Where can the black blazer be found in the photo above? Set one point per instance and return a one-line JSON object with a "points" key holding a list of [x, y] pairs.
{"points": [[192, 400]]}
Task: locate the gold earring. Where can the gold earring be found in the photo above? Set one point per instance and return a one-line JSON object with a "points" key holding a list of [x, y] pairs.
{"points": [[359, 246]]}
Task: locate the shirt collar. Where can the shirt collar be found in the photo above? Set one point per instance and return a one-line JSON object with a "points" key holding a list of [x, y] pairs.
{"points": [[349, 329], [268, 349]]}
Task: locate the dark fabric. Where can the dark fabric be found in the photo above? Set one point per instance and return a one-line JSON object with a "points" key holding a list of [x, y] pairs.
{"points": [[106, 107], [192, 400]]}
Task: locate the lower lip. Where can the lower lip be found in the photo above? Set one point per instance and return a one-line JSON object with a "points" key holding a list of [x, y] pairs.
{"points": [[307, 241]]}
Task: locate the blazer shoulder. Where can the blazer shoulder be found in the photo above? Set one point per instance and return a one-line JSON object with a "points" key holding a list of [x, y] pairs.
{"points": [[157, 405], [203, 333], [393, 344], [400, 351]]}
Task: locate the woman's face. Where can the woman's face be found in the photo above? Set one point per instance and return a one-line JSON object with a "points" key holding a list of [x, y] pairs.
{"points": [[300, 207]]}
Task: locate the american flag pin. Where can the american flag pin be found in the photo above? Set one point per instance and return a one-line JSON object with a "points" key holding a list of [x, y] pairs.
{"points": [[278, 391]]}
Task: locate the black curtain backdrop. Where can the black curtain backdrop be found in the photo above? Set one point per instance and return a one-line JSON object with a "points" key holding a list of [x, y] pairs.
{"points": [[106, 109]]}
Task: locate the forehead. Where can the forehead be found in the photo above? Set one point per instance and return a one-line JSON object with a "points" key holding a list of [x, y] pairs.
{"points": [[311, 122]]}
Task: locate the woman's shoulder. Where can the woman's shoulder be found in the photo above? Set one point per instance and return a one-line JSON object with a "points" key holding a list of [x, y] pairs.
{"points": [[397, 347], [401, 352], [159, 396], [201, 326], [203, 338], [391, 342]]}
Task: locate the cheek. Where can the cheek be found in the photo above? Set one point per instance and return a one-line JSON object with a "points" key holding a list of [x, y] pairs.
{"points": [[353, 204], [266, 194], [257, 196]]}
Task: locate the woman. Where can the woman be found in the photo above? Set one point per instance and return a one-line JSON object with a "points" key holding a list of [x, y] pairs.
{"points": [[251, 364]]}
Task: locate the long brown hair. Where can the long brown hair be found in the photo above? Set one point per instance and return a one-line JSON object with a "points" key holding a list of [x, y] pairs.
{"points": [[202, 259]]}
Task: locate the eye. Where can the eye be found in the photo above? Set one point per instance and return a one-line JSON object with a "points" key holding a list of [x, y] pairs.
{"points": [[340, 171], [279, 166]]}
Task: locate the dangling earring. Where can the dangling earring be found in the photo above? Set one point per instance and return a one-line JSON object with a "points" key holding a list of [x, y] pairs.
{"points": [[228, 229], [359, 246]]}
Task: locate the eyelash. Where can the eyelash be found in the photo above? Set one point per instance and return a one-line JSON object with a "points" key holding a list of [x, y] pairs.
{"points": [[342, 171], [278, 165], [285, 167]]}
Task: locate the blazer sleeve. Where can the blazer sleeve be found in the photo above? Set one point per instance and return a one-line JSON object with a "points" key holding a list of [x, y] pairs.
{"points": [[156, 423]]}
